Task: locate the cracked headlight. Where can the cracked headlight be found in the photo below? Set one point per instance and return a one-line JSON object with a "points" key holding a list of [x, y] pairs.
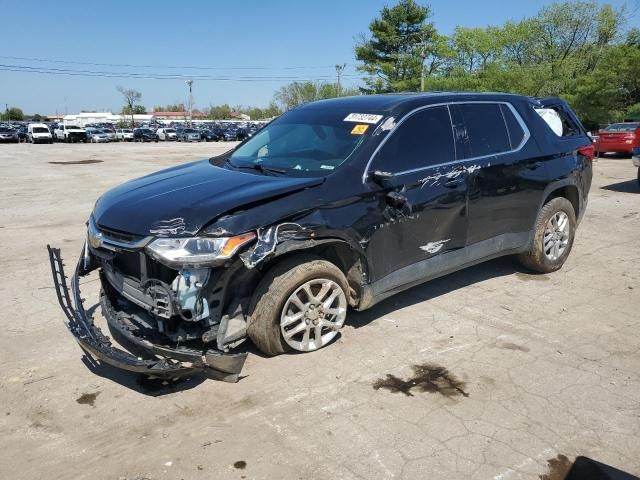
{"points": [[196, 250]]}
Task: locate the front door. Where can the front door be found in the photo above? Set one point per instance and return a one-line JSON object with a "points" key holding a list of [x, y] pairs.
{"points": [[423, 202]]}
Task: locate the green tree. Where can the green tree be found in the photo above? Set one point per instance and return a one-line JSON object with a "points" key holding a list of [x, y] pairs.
{"points": [[297, 93], [14, 113], [137, 110], [402, 40], [178, 107], [612, 90], [220, 112]]}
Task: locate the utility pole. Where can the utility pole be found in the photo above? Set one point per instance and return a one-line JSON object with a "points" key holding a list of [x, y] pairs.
{"points": [[190, 83], [339, 70], [6, 111], [423, 57]]}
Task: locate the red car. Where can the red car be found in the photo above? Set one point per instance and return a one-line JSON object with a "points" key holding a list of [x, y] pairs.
{"points": [[619, 138]]}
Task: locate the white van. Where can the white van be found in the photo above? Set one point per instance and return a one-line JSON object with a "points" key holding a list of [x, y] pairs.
{"points": [[39, 133]]}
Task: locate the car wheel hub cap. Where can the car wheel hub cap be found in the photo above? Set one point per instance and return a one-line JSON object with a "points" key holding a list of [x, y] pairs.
{"points": [[556, 236], [313, 314]]}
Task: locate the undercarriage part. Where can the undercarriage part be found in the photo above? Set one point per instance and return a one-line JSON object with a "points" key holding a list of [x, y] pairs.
{"points": [[162, 360]]}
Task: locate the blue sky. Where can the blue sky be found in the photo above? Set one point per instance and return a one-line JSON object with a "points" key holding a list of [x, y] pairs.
{"points": [[284, 38]]}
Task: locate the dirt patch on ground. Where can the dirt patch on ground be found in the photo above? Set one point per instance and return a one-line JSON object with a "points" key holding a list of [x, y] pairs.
{"points": [[558, 468], [88, 399]]}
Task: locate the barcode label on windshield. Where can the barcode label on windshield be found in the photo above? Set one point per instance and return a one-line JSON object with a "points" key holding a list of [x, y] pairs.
{"points": [[363, 118]]}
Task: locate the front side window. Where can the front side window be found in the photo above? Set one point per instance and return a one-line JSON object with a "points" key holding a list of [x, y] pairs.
{"points": [[423, 139], [485, 128], [304, 142]]}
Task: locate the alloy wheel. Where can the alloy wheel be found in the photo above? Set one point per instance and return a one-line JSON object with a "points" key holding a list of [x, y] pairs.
{"points": [[556, 235], [313, 314]]}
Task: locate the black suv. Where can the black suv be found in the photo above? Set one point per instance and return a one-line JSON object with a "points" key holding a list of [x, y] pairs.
{"points": [[337, 204], [144, 135]]}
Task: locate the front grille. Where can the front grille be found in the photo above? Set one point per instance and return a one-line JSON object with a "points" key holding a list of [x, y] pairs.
{"points": [[100, 236], [118, 235]]}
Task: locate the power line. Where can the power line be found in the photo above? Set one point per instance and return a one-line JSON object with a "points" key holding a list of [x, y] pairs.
{"points": [[181, 67], [158, 76]]}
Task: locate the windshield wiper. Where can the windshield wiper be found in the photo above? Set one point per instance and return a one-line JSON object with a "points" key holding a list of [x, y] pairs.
{"points": [[259, 167]]}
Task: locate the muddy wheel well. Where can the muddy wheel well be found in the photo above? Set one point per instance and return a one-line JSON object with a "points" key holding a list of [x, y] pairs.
{"points": [[341, 255], [570, 192]]}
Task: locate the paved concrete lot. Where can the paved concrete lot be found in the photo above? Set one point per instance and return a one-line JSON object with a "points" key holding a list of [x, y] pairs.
{"points": [[487, 373]]}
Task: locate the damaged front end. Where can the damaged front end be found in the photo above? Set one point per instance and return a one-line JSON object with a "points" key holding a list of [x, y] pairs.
{"points": [[170, 320]]}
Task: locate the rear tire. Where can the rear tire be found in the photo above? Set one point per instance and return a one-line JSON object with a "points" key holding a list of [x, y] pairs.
{"points": [[274, 293], [553, 237], [638, 175]]}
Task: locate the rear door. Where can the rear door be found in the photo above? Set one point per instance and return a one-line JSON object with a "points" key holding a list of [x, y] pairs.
{"points": [[506, 179], [424, 202]]}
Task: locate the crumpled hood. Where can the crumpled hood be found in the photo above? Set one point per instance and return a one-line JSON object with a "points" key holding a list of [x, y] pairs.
{"points": [[181, 200]]}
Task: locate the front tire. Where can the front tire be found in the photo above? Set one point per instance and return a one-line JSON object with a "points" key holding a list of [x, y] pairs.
{"points": [[554, 233], [299, 305]]}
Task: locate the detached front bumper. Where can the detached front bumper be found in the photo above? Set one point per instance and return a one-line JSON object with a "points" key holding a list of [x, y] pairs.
{"points": [[159, 360]]}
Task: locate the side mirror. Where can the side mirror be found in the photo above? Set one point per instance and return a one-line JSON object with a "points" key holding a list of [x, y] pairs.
{"points": [[380, 176]]}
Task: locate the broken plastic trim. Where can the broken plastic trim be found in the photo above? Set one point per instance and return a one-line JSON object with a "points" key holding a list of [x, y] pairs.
{"points": [[267, 241], [170, 363]]}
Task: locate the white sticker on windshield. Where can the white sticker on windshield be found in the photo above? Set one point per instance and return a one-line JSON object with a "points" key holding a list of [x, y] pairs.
{"points": [[327, 167], [363, 118]]}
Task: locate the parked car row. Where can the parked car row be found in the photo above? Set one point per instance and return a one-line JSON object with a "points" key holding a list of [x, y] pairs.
{"points": [[33, 133], [105, 132]]}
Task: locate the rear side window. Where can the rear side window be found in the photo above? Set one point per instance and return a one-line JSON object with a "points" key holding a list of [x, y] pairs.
{"points": [[622, 127], [486, 129], [516, 134], [423, 139]]}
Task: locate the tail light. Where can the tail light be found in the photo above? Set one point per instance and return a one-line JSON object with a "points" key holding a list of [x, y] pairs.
{"points": [[588, 151]]}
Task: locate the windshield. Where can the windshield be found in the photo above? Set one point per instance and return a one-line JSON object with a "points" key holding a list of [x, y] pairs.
{"points": [[190, 130], [304, 141], [72, 127], [169, 130], [622, 127], [40, 130]]}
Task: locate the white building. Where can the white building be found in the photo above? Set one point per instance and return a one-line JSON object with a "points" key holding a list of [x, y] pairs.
{"points": [[85, 118]]}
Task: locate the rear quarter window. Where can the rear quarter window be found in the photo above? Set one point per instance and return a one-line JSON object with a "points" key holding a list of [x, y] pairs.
{"points": [[558, 121]]}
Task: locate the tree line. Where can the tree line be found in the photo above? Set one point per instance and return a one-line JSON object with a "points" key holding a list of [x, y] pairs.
{"points": [[578, 50]]}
